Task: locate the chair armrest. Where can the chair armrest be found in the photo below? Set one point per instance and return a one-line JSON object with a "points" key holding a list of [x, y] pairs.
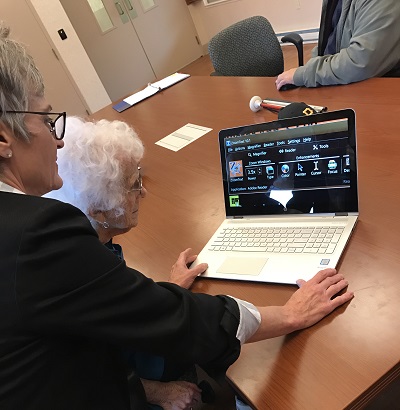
{"points": [[297, 40]]}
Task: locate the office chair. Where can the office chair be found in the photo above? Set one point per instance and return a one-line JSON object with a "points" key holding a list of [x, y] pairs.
{"points": [[250, 48]]}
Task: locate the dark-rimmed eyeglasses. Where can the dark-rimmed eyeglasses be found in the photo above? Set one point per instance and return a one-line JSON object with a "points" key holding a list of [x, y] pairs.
{"points": [[56, 121]]}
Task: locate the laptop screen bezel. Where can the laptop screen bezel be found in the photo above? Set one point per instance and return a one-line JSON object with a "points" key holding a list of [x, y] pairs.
{"points": [[348, 114]]}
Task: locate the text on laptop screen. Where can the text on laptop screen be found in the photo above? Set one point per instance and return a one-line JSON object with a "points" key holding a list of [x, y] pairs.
{"points": [[279, 167]]}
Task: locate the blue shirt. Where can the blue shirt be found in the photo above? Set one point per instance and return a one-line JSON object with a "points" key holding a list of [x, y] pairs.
{"points": [[331, 43]]}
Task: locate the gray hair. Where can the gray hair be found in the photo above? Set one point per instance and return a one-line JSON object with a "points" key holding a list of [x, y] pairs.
{"points": [[20, 80], [92, 164]]}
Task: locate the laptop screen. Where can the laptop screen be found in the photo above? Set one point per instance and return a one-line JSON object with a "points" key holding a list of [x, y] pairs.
{"points": [[297, 165]]}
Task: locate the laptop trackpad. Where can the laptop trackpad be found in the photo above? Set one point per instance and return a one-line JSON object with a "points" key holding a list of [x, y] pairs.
{"points": [[242, 265]]}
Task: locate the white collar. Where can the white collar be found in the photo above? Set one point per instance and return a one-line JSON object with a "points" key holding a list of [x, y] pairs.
{"points": [[7, 188]]}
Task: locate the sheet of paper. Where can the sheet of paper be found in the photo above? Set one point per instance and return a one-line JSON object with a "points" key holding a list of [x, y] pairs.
{"points": [[183, 136]]}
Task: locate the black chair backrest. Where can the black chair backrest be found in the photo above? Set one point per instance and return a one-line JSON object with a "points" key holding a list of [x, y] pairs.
{"points": [[247, 48]]}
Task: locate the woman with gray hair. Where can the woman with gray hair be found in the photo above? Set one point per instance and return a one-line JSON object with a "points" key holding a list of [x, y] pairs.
{"points": [[69, 305], [96, 162]]}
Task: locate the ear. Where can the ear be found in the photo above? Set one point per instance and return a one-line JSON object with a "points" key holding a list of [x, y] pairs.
{"points": [[6, 140], [97, 215]]}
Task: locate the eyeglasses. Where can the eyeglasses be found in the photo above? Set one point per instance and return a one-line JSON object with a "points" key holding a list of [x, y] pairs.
{"points": [[138, 184], [56, 121]]}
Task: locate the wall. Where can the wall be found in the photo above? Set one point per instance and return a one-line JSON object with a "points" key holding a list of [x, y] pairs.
{"points": [[71, 52], [284, 15]]}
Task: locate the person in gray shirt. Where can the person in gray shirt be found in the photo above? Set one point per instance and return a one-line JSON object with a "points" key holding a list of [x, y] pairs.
{"points": [[358, 39]]}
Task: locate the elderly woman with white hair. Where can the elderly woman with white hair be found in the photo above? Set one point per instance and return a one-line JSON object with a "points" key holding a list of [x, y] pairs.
{"points": [[101, 175], [69, 305], [97, 165]]}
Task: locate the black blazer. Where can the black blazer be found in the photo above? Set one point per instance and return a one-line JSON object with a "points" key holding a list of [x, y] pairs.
{"points": [[68, 305]]}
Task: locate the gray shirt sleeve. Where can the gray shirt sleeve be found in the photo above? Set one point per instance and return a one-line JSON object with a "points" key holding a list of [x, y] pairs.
{"points": [[370, 46]]}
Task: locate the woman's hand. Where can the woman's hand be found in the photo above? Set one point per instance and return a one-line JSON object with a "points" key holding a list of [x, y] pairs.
{"points": [[182, 275], [318, 297], [315, 299], [176, 395]]}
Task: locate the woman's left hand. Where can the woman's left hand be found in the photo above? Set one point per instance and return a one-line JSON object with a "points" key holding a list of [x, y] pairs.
{"points": [[181, 274], [175, 395]]}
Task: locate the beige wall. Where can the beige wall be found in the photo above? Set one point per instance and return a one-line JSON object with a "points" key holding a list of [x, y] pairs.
{"points": [[71, 52], [284, 15]]}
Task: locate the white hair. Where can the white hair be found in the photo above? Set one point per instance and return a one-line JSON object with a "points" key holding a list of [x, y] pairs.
{"points": [[93, 162]]}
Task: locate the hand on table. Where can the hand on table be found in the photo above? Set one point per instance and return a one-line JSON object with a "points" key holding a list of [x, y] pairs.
{"points": [[181, 274], [307, 306], [313, 300], [285, 78]]}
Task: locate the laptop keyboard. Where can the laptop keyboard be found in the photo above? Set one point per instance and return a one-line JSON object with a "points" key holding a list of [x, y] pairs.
{"points": [[322, 240]]}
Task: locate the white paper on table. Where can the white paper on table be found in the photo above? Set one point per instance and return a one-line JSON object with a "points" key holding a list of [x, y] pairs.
{"points": [[183, 137]]}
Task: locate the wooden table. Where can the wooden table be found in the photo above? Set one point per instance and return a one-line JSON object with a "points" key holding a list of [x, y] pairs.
{"points": [[350, 356]]}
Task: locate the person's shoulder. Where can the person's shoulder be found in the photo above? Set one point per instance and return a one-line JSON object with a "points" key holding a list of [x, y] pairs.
{"points": [[34, 203], [55, 204], [23, 209]]}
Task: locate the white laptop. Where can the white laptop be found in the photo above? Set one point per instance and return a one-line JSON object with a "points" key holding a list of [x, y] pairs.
{"points": [[291, 201]]}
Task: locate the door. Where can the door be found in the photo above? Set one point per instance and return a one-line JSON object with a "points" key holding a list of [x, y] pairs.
{"points": [[144, 41], [60, 91], [167, 33]]}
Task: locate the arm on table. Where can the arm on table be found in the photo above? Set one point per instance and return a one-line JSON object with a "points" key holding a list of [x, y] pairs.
{"points": [[307, 306]]}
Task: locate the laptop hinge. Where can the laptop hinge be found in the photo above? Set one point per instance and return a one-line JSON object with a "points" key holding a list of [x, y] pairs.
{"points": [[238, 217], [341, 214]]}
